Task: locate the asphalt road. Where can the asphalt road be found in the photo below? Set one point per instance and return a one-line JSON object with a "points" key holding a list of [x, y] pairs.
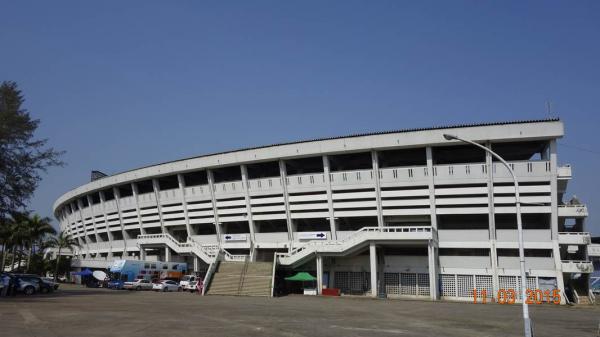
{"points": [[76, 311]]}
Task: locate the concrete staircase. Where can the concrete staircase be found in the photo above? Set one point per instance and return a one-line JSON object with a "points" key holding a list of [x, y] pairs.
{"points": [[257, 279], [242, 278]]}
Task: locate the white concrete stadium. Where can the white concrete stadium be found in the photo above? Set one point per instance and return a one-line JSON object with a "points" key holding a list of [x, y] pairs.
{"points": [[399, 214]]}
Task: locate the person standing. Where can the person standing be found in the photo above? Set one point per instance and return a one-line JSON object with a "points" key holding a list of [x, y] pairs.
{"points": [[5, 285]]}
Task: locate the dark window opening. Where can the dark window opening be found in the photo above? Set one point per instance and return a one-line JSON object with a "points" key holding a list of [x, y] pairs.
{"points": [[84, 202], [351, 161], [304, 165], [530, 221], [95, 198], [355, 223], [224, 174], [521, 150], [463, 221], [168, 183], [270, 226], [117, 235], [464, 252], [239, 227], [528, 252], [263, 170], [195, 178], [312, 225], [402, 157], [407, 251], [458, 154], [204, 229], [108, 194], [144, 186], [125, 191]]}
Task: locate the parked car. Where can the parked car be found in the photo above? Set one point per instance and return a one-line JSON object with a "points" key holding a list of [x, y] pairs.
{"points": [[186, 280], [166, 285], [50, 281], [138, 284], [30, 284], [191, 286], [115, 284]]}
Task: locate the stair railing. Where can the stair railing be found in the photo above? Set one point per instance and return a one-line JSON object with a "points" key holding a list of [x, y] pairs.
{"points": [[243, 275], [210, 272]]}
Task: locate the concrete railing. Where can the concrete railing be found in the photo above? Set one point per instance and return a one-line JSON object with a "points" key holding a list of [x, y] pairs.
{"points": [[572, 211], [572, 266], [359, 237], [204, 252], [574, 238]]}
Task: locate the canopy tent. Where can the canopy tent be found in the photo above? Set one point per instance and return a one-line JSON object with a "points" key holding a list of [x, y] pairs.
{"points": [[85, 272], [301, 276]]}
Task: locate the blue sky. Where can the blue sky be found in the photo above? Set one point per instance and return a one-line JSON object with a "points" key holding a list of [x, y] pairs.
{"points": [[120, 85]]}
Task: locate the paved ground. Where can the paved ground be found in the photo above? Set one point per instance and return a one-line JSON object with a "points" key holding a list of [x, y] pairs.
{"points": [[76, 311]]}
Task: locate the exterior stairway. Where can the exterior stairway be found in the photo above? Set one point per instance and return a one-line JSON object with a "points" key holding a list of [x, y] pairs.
{"points": [[242, 278], [257, 279]]}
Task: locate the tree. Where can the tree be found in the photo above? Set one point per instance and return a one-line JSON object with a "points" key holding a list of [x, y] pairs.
{"points": [[22, 156], [37, 229], [62, 241]]}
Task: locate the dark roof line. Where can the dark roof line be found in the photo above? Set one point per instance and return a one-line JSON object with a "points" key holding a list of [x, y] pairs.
{"points": [[455, 126]]}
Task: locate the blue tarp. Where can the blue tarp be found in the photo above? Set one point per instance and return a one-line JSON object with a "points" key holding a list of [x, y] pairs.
{"points": [[85, 272]]}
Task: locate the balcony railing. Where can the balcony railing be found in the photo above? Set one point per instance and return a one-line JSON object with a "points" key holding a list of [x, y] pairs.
{"points": [[572, 211], [574, 238], [572, 266]]}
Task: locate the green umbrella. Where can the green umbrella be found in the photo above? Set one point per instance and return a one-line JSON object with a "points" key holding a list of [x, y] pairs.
{"points": [[301, 276]]}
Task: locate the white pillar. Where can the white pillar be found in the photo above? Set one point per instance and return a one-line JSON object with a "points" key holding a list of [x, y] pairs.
{"points": [[245, 184], [142, 254], [327, 175], [167, 254], [375, 168], [373, 263], [181, 183], [319, 274], [433, 289], [211, 186], [286, 201], [196, 263]]}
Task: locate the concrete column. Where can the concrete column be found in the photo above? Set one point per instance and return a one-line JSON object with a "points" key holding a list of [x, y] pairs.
{"points": [[375, 168], [93, 216], [554, 217], [108, 231], [327, 175], [431, 183], [286, 199], [156, 188], [142, 253], [137, 207], [373, 264], [491, 218], [80, 211], [196, 264], [248, 204], [211, 186], [125, 236], [319, 260], [433, 271], [181, 182], [168, 254]]}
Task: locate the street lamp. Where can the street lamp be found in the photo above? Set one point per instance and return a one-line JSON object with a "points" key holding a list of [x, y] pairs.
{"points": [[526, 320]]}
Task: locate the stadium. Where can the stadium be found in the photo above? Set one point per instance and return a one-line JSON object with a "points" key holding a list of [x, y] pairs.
{"points": [[405, 214]]}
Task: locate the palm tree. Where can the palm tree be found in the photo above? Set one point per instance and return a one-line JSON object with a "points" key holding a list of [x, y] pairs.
{"points": [[18, 237], [37, 229], [62, 241]]}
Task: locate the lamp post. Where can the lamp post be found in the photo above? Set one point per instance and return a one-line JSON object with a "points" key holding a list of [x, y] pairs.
{"points": [[526, 320]]}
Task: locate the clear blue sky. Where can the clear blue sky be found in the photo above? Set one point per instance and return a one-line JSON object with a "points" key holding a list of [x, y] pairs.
{"points": [[121, 85]]}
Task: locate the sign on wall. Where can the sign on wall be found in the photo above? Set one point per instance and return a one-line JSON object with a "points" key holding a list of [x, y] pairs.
{"points": [[312, 235], [235, 237]]}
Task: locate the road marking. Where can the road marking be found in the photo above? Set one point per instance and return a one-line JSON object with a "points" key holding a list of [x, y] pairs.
{"points": [[390, 331]]}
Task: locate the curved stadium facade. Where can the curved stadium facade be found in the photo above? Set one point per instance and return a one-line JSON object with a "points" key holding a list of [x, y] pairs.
{"points": [[401, 213]]}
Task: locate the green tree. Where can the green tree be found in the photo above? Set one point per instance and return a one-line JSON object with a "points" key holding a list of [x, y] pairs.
{"points": [[22, 157], [63, 241], [37, 229]]}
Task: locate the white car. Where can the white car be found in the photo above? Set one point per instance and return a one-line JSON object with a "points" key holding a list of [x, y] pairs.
{"points": [[167, 285], [138, 284], [193, 286], [186, 280]]}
